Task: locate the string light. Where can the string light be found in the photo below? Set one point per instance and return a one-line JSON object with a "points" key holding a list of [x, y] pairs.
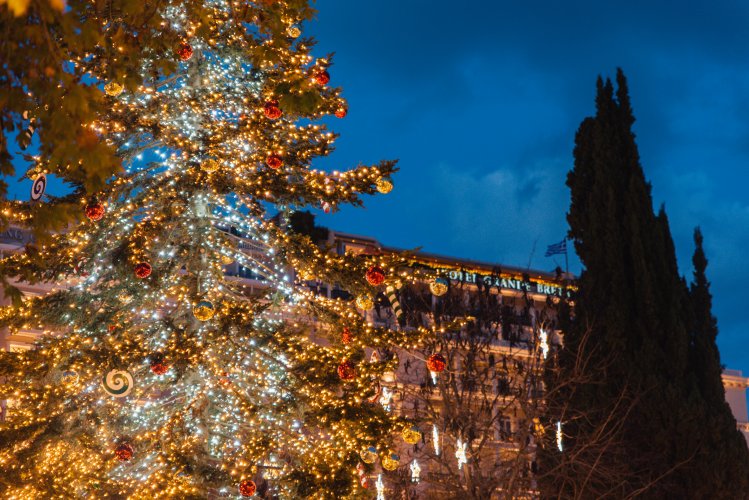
{"points": [[544, 344], [380, 486], [460, 453], [415, 471], [436, 439]]}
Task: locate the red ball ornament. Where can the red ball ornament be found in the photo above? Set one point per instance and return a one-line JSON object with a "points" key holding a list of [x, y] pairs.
{"points": [[347, 370], [143, 270], [436, 363], [274, 161], [247, 488], [322, 77], [271, 110], [346, 336], [341, 112], [375, 276], [124, 452], [184, 50], [224, 380], [158, 365], [95, 211]]}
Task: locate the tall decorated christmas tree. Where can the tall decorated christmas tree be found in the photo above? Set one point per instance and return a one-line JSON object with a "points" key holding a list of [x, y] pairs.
{"points": [[162, 375]]}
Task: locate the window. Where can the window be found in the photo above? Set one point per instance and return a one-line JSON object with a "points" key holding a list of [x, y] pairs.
{"points": [[504, 426], [503, 386]]}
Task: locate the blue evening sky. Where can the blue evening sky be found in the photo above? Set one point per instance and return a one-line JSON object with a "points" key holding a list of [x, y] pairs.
{"points": [[480, 101]]}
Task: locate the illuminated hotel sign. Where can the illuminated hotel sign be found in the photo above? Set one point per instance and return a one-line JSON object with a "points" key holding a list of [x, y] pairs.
{"points": [[506, 283]]}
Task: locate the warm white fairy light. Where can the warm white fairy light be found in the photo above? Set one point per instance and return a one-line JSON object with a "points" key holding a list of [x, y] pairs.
{"points": [[380, 486], [460, 453], [436, 439], [415, 471], [386, 398], [544, 342]]}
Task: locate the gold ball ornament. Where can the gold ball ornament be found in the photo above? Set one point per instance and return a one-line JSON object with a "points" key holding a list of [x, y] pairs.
{"points": [[384, 185], [368, 455], [293, 31], [364, 302], [227, 260], [411, 435], [113, 89], [439, 286], [390, 461], [203, 310], [209, 165]]}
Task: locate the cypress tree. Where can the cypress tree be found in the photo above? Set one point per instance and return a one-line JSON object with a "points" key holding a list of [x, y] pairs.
{"points": [[723, 460], [634, 423]]}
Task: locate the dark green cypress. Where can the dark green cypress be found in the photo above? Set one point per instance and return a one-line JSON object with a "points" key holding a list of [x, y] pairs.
{"points": [[634, 416], [723, 459]]}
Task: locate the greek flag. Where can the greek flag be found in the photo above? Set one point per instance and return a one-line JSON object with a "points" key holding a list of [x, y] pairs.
{"points": [[556, 248]]}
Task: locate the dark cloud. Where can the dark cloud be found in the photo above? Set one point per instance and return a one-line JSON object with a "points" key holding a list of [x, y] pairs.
{"points": [[481, 101]]}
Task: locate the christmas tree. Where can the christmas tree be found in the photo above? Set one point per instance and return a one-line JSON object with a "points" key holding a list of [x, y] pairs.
{"points": [[162, 375]]}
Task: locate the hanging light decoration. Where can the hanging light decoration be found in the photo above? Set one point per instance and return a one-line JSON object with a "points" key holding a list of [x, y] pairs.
{"points": [[460, 453], [203, 310], [386, 397], [415, 471], [113, 89], [390, 461], [375, 276], [543, 338], [364, 302], [411, 434], [384, 185], [380, 488], [436, 363], [124, 452], [436, 439], [247, 488], [142, 270], [439, 286], [369, 455]]}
